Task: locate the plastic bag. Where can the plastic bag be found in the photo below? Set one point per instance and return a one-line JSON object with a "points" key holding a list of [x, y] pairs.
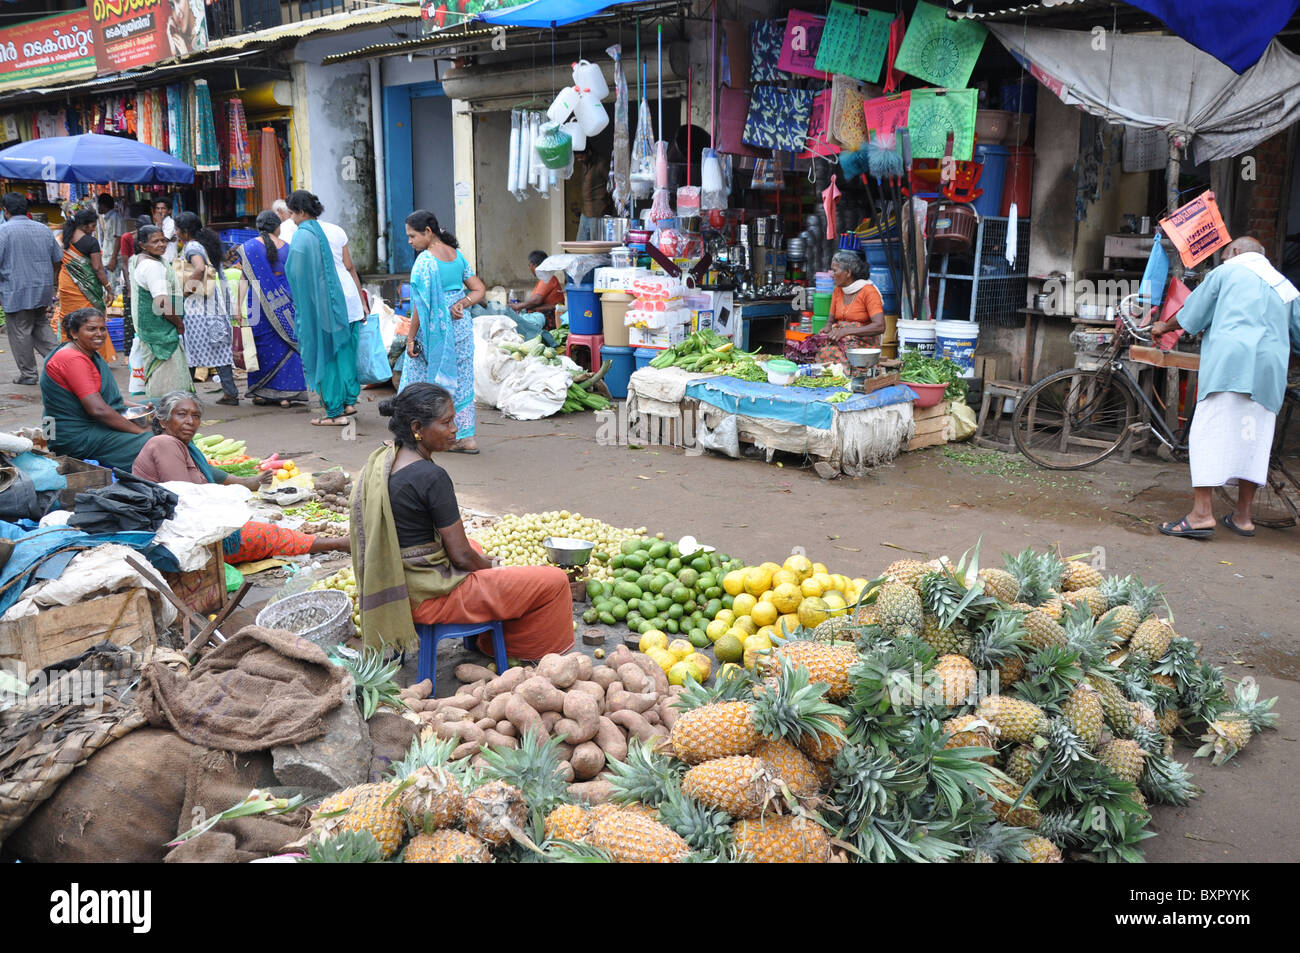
{"points": [[554, 146], [372, 356], [643, 155], [512, 173], [136, 360], [713, 189], [621, 167]]}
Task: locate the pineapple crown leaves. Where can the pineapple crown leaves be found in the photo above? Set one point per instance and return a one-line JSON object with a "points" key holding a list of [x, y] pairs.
{"points": [[1038, 573], [644, 775], [862, 782], [1166, 781], [998, 638], [706, 831], [1180, 662], [1051, 673], [738, 686], [1060, 828], [1114, 837], [956, 773], [345, 847], [999, 841], [533, 768], [432, 752], [797, 707], [373, 679], [889, 679], [1205, 695], [1093, 638]]}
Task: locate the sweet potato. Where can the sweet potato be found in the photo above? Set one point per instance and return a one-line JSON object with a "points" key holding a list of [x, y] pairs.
{"points": [[651, 668], [566, 772], [611, 740], [587, 760], [549, 718], [506, 682], [619, 700], [619, 656], [541, 694], [585, 665], [603, 675], [426, 717], [491, 737], [423, 689], [449, 713], [560, 670], [633, 679], [668, 713], [593, 792], [523, 716], [468, 672], [485, 724], [564, 752], [651, 715], [585, 710], [497, 707], [634, 723], [507, 729], [594, 689], [466, 750], [461, 731]]}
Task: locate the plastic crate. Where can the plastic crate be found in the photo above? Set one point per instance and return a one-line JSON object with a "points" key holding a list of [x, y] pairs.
{"points": [[237, 236]]}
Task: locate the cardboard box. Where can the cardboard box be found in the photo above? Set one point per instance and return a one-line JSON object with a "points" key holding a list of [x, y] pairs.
{"points": [[668, 337]]}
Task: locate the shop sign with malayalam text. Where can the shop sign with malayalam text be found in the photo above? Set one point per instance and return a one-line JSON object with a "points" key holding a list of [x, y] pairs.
{"points": [[133, 33], [60, 45]]}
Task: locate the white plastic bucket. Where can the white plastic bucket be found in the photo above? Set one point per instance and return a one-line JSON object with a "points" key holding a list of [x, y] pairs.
{"points": [[566, 101], [957, 340], [592, 115], [574, 129], [588, 78], [916, 334]]}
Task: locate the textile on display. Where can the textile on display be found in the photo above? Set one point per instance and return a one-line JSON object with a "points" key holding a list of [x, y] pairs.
{"points": [[241, 159], [271, 180], [778, 118], [205, 137]]}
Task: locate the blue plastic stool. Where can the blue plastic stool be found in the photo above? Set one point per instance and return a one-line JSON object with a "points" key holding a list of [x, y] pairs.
{"points": [[431, 635]]}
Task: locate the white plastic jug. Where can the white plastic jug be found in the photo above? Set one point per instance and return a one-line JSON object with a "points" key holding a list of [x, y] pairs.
{"points": [[589, 79], [566, 101], [592, 115], [574, 129]]}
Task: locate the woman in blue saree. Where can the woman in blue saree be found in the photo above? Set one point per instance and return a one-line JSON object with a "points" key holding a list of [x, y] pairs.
{"points": [[327, 344], [441, 345], [279, 375]]}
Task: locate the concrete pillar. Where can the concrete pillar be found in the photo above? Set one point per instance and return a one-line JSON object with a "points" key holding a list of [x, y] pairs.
{"points": [[462, 130]]}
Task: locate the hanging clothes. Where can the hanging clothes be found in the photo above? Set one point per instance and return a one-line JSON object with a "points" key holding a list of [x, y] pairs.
{"points": [[205, 139], [241, 160], [272, 174]]}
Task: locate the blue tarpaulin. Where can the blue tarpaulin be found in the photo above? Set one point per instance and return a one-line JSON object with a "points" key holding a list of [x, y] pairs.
{"points": [[92, 158], [544, 13], [45, 553], [1234, 32], [798, 405]]}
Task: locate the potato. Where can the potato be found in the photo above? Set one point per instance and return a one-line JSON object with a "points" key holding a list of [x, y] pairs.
{"points": [[634, 723], [594, 689], [549, 718], [468, 672], [541, 695], [506, 682], [423, 689], [462, 731], [603, 675], [507, 729], [619, 700], [523, 716], [492, 737], [611, 740], [587, 760], [497, 707], [633, 679], [585, 665], [593, 792]]}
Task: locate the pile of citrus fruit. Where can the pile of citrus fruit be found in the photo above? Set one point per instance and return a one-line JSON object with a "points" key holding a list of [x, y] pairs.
{"points": [[678, 658]]}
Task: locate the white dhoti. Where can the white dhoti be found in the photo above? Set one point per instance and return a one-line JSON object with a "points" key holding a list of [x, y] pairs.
{"points": [[1230, 440]]}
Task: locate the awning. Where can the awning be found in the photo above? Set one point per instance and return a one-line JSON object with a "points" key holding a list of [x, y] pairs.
{"points": [[1163, 82], [1235, 33], [330, 24], [545, 13]]}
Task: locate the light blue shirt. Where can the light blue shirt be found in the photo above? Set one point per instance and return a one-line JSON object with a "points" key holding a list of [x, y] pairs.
{"points": [[1249, 332]]}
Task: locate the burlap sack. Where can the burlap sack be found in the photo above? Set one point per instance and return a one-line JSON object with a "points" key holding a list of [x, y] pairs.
{"points": [[390, 737]]}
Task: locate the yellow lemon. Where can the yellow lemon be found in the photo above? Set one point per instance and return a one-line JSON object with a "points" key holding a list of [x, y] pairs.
{"points": [[771, 567], [729, 649], [716, 629], [788, 624], [813, 612], [758, 580], [784, 576], [860, 584], [653, 639], [769, 631], [726, 615], [746, 624], [786, 597], [755, 646], [800, 566], [663, 658], [842, 582], [728, 671], [825, 580], [819, 567], [733, 583], [835, 603], [702, 665], [681, 672], [765, 613], [744, 604], [680, 648], [766, 597], [811, 588]]}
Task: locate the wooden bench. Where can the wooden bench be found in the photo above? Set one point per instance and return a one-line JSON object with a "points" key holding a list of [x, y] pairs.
{"points": [[999, 390]]}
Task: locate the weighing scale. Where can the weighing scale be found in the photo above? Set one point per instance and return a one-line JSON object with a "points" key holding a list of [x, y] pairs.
{"points": [[867, 372]]}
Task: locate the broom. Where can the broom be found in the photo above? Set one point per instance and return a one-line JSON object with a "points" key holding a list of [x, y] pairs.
{"points": [[884, 165]]}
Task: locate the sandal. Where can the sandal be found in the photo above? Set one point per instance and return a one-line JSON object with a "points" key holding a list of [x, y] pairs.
{"points": [[1184, 529], [1231, 523], [228, 401], [330, 422]]}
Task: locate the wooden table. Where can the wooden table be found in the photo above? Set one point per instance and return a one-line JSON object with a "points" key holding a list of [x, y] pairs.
{"points": [[1180, 365]]}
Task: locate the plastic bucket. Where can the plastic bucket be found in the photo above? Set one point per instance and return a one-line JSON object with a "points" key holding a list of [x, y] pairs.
{"points": [[883, 279], [642, 356], [992, 178], [957, 340], [116, 333], [879, 254], [916, 334], [1019, 184], [821, 304], [613, 306], [622, 363], [819, 322], [584, 310]]}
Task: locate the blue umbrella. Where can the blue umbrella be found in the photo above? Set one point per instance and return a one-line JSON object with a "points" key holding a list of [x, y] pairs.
{"points": [[92, 158]]}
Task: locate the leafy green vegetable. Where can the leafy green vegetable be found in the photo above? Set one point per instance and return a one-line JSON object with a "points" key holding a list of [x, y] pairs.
{"points": [[246, 469], [919, 369]]}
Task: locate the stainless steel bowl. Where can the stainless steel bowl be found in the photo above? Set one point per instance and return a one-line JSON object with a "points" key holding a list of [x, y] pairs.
{"points": [[567, 552], [863, 356]]}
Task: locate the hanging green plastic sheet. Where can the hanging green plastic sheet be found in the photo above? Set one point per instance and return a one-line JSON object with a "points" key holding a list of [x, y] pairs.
{"points": [[933, 113], [853, 43], [939, 50]]}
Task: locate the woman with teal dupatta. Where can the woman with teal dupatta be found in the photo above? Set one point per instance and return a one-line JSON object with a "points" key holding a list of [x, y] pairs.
{"points": [[326, 342], [85, 416], [441, 346]]}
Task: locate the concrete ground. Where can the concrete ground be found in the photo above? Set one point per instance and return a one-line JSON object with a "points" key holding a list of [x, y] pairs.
{"points": [[1237, 597]]}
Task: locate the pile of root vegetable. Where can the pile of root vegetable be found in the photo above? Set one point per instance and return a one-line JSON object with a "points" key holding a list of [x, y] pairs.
{"points": [[1031, 711]]}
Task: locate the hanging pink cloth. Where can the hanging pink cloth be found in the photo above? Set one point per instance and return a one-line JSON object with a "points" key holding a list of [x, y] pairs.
{"points": [[829, 196]]}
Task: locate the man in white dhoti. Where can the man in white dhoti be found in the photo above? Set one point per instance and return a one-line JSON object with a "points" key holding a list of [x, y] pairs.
{"points": [[1250, 315]]}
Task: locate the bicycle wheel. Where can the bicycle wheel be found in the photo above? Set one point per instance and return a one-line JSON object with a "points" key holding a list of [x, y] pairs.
{"points": [[1074, 418], [1275, 501]]}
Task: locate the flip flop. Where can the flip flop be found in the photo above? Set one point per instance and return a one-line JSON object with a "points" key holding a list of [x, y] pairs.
{"points": [[462, 450], [1181, 528], [1229, 522], [342, 422]]}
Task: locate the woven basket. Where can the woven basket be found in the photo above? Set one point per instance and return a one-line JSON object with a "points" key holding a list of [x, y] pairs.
{"points": [[322, 616]]}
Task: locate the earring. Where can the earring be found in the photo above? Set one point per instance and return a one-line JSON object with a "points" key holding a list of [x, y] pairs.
{"points": [[418, 437]]}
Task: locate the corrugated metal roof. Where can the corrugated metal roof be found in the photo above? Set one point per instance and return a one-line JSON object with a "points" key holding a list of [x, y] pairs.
{"points": [[330, 24]]}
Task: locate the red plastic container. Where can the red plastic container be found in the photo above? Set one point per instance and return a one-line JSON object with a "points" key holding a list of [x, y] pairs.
{"points": [[1018, 186], [927, 395]]}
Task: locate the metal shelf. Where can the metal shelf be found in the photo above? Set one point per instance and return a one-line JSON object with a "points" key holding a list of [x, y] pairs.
{"points": [[994, 296]]}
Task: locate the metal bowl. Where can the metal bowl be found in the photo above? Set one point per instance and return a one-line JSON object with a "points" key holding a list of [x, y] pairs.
{"points": [[139, 413], [568, 552], [863, 356]]}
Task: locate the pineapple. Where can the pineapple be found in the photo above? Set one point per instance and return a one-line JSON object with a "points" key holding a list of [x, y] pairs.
{"points": [[1090, 596], [782, 839], [1168, 721], [958, 677], [1225, 737], [898, 607], [833, 628], [967, 731], [1144, 716], [1042, 851], [866, 615], [1141, 802], [1165, 681], [1118, 714], [630, 837], [1023, 815], [431, 798], [907, 571], [719, 730], [1116, 589], [739, 785], [1151, 640], [1022, 762], [1084, 713], [1041, 630], [1015, 719], [1054, 607], [1011, 670], [567, 822], [368, 807], [1125, 758], [1079, 575], [995, 646], [634, 807], [445, 846], [790, 766], [495, 811], [1037, 574], [823, 746], [1000, 584], [953, 640], [828, 664], [644, 776]]}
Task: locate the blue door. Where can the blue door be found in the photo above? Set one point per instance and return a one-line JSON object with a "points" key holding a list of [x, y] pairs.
{"points": [[418, 163]]}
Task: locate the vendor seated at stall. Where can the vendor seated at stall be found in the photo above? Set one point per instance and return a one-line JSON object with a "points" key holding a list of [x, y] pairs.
{"points": [[84, 410], [857, 316], [411, 556], [172, 457], [545, 295]]}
